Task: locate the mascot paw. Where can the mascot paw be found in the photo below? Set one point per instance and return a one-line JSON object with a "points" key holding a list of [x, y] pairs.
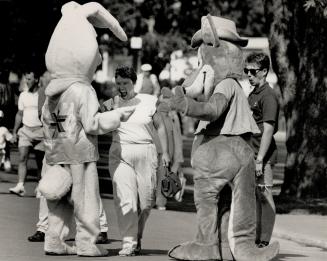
{"points": [[195, 251], [92, 250], [54, 246], [176, 101], [250, 252]]}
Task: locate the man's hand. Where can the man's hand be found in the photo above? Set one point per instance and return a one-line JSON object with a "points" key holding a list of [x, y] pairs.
{"points": [[14, 138], [125, 112], [258, 168], [165, 159]]}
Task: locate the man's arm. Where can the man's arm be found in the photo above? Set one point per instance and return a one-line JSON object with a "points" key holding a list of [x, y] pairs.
{"points": [[18, 122], [268, 131]]}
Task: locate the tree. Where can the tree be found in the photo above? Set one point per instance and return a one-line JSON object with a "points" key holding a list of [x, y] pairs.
{"points": [[298, 36]]}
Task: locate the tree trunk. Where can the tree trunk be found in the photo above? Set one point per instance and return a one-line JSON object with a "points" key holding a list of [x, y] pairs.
{"points": [[298, 37]]}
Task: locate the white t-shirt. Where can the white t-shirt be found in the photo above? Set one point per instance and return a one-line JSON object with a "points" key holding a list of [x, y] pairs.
{"points": [[134, 130], [4, 135], [27, 102]]}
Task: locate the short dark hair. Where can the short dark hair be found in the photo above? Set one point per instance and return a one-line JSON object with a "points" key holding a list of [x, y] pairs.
{"points": [[261, 59], [31, 69], [126, 72]]}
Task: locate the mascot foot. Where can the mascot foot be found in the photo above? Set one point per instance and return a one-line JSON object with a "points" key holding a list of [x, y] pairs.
{"points": [[55, 247], [195, 251], [92, 251], [253, 253]]}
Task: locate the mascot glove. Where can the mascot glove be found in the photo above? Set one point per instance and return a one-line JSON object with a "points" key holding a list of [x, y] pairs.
{"points": [[177, 101], [55, 183]]}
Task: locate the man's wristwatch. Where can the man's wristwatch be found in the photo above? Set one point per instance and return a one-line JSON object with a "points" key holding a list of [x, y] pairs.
{"points": [[258, 161]]}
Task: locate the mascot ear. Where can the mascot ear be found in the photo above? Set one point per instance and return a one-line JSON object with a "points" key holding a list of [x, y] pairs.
{"points": [[100, 17], [196, 39]]}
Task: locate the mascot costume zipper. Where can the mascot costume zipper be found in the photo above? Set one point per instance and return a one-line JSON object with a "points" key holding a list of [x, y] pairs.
{"points": [[220, 152], [71, 122]]}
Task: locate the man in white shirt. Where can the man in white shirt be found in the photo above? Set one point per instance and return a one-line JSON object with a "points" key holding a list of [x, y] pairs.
{"points": [[31, 133]]}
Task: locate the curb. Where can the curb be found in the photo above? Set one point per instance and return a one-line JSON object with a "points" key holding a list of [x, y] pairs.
{"points": [[300, 238]]}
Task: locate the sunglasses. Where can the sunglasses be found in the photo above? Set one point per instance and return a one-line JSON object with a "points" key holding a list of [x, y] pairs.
{"points": [[252, 71]]}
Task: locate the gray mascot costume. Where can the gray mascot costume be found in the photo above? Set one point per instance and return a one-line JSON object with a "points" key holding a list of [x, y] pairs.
{"points": [[220, 152]]}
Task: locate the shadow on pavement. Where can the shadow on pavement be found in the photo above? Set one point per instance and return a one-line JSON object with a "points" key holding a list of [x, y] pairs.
{"points": [[144, 252], [284, 257], [187, 205]]}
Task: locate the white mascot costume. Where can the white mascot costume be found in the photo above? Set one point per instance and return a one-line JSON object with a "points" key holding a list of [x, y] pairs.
{"points": [[71, 122]]}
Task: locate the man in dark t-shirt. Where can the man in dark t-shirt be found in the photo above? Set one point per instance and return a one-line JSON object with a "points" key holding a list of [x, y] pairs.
{"points": [[264, 105]]}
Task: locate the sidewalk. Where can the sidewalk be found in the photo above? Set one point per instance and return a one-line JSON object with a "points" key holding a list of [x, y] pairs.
{"points": [[310, 230]]}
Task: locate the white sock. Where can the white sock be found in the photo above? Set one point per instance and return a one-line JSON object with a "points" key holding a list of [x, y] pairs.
{"points": [[20, 184]]}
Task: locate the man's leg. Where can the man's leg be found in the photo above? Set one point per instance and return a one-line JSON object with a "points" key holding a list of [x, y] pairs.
{"points": [[22, 171], [242, 221], [42, 224], [39, 155], [266, 205], [103, 236]]}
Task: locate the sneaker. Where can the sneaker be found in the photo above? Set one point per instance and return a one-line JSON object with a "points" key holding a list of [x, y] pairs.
{"points": [[161, 208], [102, 238], [127, 251], [18, 190], [37, 237]]}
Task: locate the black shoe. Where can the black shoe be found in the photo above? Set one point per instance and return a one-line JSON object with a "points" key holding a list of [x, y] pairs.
{"points": [[138, 248], [37, 237], [102, 238]]}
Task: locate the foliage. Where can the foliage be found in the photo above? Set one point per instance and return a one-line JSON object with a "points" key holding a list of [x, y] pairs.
{"points": [[26, 26], [298, 33]]}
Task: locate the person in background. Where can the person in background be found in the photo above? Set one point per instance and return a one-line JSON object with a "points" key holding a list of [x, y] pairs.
{"points": [[31, 133], [5, 136], [7, 106], [264, 105], [147, 82], [133, 160], [175, 150]]}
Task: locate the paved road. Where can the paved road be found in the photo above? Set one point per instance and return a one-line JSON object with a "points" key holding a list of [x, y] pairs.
{"points": [[164, 230]]}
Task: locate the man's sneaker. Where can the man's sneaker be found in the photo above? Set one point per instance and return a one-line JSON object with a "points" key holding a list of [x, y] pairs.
{"points": [[102, 238], [18, 190], [127, 251], [37, 237], [161, 208]]}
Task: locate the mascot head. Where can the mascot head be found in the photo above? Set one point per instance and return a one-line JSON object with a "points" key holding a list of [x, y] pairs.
{"points": [[219, 54], [73, 50]]}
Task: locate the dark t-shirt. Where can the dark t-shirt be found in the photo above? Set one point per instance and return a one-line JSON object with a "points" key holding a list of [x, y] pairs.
{"points": [[264, 104]]}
